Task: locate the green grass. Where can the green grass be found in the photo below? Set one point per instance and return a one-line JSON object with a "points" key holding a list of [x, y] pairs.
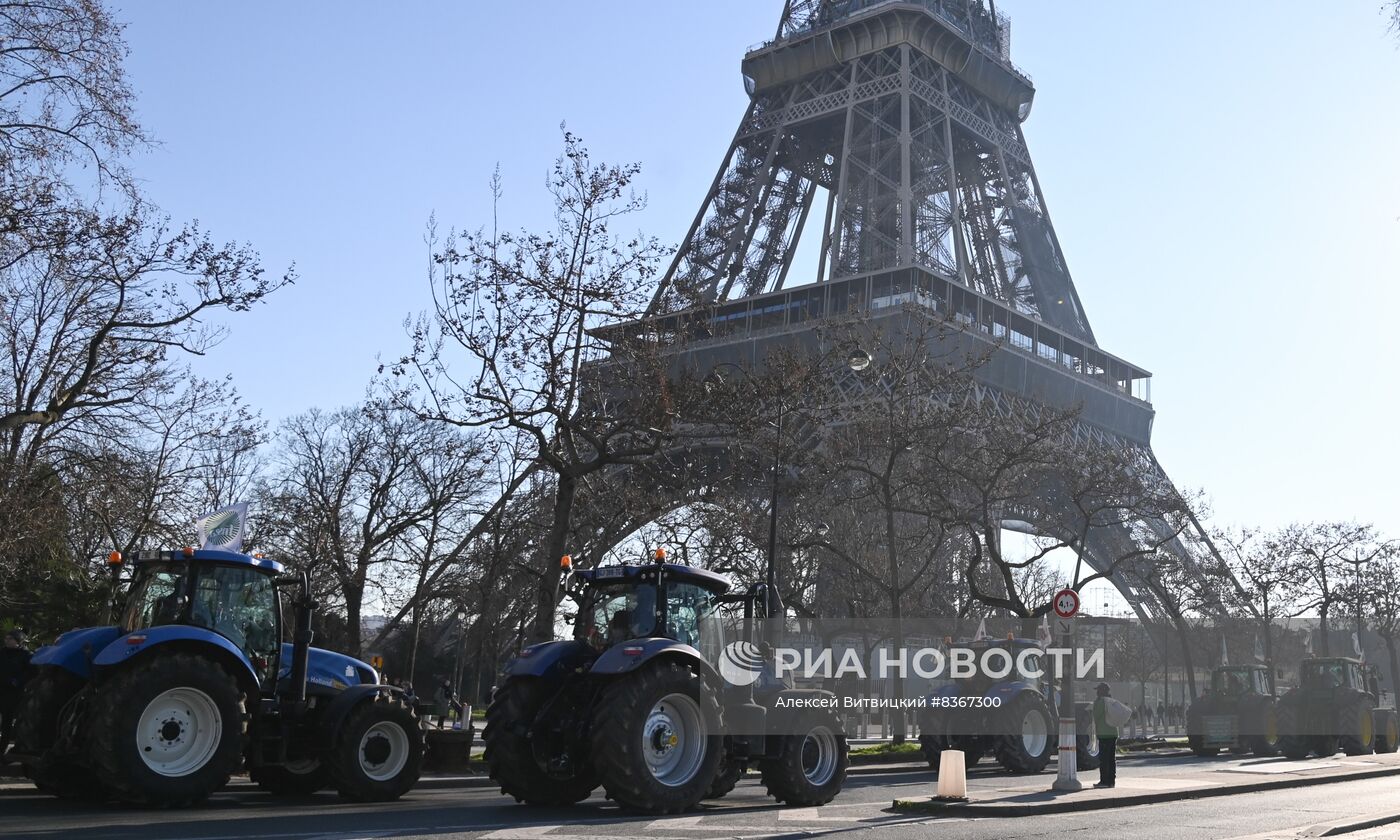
{"points": [[909, 748]]}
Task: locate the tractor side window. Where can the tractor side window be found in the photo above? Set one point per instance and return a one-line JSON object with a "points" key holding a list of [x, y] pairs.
{"points": [[240, 605], [621, 613], [1033, 669], [157, 598], [691, 614]]}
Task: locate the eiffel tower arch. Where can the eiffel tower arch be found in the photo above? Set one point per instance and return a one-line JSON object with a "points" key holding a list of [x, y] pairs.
{"points": [[891, 131]]}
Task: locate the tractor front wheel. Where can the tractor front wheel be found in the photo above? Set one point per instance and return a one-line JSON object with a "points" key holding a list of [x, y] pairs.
{"points": [[1265, 742], [168, 731], [1387, 731], [810, 765], [36, 734], [378, 753], [655, 738], [730, 772]]}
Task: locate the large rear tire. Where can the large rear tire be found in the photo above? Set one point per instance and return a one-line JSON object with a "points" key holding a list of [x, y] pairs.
{"points": [[168, 731], [378, 752], [1026, 740], [510, 755], [655, 740], [36, 732], [810, 766], [1357, 728]]}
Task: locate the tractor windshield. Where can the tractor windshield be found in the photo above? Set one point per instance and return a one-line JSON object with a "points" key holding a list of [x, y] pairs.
{"points": [[1324, 674], [619, 612], [1233, 682], [240, 604], [157, 596]]}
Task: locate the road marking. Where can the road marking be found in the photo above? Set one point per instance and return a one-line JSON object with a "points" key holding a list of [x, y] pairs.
{"points": [[1281, 767]]}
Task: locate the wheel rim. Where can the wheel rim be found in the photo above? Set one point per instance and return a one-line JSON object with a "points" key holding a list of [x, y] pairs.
{"points": [[819, 756], [383, 751], [1271, 729], [179, 732], [1035, 733], [1367, 729], [674, 740]]}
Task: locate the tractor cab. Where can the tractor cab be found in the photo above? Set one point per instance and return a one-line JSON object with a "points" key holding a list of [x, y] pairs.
{"points": [[1325, 675], [663, 601], [234, 595], [1238, 681]]}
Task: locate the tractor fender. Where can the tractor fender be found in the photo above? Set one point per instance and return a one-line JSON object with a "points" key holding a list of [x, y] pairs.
{"points": [[131, 646], [75, 650], [629, 656], [549, 659], [343, 703]]}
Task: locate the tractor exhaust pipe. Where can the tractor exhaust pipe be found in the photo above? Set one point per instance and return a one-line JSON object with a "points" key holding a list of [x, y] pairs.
{"points": [[301, 639]]}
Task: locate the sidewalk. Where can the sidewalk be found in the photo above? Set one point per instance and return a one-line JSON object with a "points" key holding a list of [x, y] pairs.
{"points": [[1019, 797]]}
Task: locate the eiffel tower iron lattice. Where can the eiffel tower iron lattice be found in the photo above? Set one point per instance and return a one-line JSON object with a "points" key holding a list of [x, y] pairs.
{"points": [[893, 129]]}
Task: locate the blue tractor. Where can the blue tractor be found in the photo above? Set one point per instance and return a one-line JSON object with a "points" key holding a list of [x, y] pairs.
{"points": [[195, 682], [633, 703], [1012, 717]]}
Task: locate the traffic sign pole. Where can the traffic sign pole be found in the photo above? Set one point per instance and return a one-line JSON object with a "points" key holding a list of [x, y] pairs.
{"points": [[1066, 604]]}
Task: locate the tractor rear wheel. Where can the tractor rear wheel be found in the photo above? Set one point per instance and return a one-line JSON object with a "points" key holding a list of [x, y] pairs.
{"points": [[37, 730], [1025, 743], [1387, 731], [1197, 742], [1291, 741], [1086, 741], [1357, 728], [1324, 745], [378, 752], [810, 766], [510, 755], [655, 738], [168, 731], [934, 739], [295, 778]]}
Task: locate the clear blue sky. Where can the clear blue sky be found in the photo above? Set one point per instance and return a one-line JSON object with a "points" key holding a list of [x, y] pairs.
{"points": [[1223, 176]]}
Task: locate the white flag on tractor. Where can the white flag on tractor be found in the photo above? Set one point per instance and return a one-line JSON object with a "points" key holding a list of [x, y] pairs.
{"points": [[981, 632], [224, 528], [1043, 634], [1224, 652]]}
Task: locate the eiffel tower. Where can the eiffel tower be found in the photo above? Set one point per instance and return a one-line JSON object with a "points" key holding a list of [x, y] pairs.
{"points": [[899, 123]]}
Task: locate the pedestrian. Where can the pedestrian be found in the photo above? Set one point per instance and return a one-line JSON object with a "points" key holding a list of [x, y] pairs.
{"points": [[14, 673], [446, 701], [1108, 738]]}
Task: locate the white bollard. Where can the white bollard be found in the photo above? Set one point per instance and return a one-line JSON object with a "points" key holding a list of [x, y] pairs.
{"points": [[952, 775]]}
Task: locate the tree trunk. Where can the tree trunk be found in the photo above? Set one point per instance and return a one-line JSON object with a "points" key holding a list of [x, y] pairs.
{"points": [[555, 547], [897, 613], [352, 621], [1186, 658], [1326, 630]]}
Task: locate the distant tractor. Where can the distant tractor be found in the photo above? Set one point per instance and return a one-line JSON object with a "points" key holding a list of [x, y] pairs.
{"points": [[1238, 712], [632, 704], [195, 682], [1013, 718], [1336, 705]]}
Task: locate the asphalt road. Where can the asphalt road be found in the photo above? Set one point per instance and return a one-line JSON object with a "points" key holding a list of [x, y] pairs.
{"points": [[747, 814]]}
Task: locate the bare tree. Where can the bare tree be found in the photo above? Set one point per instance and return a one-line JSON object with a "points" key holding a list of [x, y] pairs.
{"points": [[1325, 554], [510, 343], [1266, 578]]}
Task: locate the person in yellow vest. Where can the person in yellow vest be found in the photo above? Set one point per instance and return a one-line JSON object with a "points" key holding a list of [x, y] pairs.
{"points": [[1108, 740]]}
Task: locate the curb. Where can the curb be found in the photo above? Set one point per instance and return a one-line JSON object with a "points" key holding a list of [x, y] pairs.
{"points": [[910, 806], [1347, 825]]}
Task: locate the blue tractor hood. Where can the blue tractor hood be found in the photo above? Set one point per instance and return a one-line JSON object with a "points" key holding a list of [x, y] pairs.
{"points": [[329, 669], [75, 650]]}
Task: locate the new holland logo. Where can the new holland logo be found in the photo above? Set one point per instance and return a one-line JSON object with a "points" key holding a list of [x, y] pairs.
{"points": [[741, 663], [223, 528]]}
